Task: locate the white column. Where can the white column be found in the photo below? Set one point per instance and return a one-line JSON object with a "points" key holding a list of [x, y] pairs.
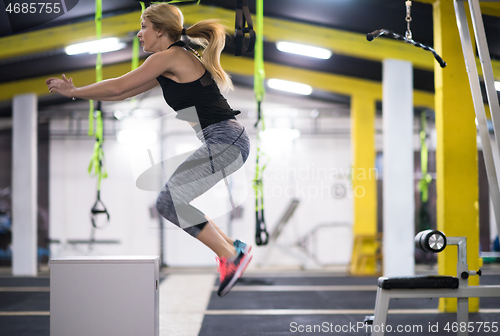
{"points": [[399, 203], [24, 185]]}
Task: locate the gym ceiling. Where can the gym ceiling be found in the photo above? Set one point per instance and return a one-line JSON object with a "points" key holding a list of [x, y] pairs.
{"points": [[28, 57]]}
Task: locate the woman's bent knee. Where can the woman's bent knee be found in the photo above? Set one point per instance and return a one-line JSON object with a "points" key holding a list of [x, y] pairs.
{"points": [[165, 207]]}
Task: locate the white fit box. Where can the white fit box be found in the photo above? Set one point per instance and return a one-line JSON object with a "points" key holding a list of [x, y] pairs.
{"points": [[104, 296]]}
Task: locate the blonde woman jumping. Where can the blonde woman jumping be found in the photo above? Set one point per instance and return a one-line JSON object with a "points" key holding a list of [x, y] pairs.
{"points": [[190, 85]]}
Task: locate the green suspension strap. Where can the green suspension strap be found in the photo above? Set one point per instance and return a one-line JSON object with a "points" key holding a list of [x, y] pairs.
{"points": [[426, 179], [98, 65], [96, 166], [135, 54], [261, 235]]}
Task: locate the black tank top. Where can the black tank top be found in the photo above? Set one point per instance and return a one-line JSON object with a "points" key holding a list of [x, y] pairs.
{"points": [[203, 94]]}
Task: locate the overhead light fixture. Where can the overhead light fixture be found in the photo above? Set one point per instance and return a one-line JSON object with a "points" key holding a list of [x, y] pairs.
{"points": [[93, 47], [283, 85], [304, 50], [497, 86]]}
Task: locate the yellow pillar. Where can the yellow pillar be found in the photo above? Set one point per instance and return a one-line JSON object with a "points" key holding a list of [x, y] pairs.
{"points": [[457, 187], [365, 256]]}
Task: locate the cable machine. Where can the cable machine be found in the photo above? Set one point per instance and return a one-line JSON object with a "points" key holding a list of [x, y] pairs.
{"points": [[477, 95], [408, 38]]}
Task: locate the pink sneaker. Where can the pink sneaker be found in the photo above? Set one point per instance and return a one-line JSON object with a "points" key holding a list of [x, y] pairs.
{"points": [[230, 271]]}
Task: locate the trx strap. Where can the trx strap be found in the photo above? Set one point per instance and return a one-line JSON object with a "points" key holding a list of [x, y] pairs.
{"points": [[424, 158], [96, 211], [261, 235], [135, 54], [243, 17], [426, 179], [96, 166], [408, 38]]}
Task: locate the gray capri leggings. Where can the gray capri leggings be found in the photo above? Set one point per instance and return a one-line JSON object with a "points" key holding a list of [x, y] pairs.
{"points": [[224, 150]]}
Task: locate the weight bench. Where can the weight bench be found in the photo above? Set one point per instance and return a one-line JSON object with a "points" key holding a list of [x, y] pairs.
{"points": [[430, 286]]}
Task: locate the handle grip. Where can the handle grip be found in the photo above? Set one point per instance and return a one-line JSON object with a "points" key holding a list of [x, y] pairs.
{"points": [[389, 33], [373, 35]]}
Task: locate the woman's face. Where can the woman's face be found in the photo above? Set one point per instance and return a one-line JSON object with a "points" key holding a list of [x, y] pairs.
{"points": [[147, 35]]}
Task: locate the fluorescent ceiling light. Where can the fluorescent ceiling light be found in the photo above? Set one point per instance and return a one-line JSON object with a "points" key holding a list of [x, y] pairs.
{"points": [[293, 87], [497, 86], [93, 47], [304, 50]]}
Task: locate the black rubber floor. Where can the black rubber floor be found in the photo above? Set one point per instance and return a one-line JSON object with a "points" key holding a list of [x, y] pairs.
{"points": [[24, 302], [289, 325], [25, 325], [306, 281], [339, 324], [272, 324], [24, 282], [309, 300]]}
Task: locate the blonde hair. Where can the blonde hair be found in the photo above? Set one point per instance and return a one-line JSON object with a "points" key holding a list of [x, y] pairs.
{"points": [[210, 34]]}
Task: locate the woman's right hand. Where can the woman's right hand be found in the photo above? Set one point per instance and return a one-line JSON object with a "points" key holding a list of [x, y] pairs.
{"points": [[63, 86]]}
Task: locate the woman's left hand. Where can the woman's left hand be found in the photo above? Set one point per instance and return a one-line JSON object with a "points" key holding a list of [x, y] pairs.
{"points": [[63, 86]]}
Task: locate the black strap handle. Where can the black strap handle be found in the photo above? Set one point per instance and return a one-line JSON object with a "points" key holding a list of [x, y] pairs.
{"points": [[261, 234], [243, 26], [389, 33], [95, 211]]}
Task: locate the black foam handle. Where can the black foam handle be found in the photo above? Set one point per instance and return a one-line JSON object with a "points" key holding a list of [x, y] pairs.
{"points": [[441, 62], [371, 36]]}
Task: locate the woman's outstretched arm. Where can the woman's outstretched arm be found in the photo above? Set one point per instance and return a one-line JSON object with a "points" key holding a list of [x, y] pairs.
{"points": [[135, 92], [133, 81]]}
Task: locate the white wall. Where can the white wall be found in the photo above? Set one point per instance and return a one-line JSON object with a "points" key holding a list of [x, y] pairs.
{"points": [[306, 168], [73, 192]]}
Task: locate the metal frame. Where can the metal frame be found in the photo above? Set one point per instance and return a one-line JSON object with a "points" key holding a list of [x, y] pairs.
{"points": [[462, 293], [477, 96]]}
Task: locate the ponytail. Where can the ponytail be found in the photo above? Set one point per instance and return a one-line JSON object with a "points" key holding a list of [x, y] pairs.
{"points": [[212, 36]]}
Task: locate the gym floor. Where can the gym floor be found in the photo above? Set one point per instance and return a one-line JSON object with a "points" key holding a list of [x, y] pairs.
{"points": [[263, 302]]}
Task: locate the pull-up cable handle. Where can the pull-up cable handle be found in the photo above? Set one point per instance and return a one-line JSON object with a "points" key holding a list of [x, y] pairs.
{"points": [[389, 33]]}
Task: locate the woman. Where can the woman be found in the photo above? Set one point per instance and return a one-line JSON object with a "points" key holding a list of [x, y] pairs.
{"points": [[190, 85]]}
